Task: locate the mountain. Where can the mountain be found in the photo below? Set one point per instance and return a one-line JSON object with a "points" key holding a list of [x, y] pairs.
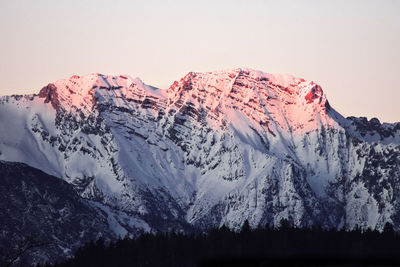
{"points": [[214, 148], [43, 216]]}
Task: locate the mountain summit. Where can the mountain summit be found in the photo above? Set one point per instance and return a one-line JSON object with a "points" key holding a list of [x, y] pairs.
{"points": [[256, 92], [213, 149]]}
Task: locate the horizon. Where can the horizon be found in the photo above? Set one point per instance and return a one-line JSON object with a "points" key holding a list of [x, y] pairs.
{"points": [[349, 48]]}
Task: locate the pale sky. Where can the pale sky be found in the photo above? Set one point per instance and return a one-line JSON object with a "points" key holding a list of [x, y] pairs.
{"points": [[351, 48]]}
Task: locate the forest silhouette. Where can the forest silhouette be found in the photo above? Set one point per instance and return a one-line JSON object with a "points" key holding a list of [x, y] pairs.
{"points": [[263, 246]]}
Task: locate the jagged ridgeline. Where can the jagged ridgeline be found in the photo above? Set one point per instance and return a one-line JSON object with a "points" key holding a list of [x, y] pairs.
{"points": [[213, 149]]}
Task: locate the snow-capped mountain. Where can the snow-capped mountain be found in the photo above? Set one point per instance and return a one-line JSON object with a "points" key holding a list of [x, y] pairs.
{"points": [[214, 148]]}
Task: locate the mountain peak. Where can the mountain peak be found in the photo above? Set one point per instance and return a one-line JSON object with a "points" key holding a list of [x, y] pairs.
{"points": [[290, 101], [80, 91], [287, 82], [293, 103]]}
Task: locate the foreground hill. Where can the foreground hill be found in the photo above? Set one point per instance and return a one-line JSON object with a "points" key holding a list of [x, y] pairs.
{"points": [[42, 218]]}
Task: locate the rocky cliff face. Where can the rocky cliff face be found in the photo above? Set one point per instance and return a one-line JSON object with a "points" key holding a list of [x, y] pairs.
{"points": [[215, 148]]}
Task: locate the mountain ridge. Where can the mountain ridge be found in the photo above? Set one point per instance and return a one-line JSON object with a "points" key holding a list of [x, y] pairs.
{"points": [[213, 149]]}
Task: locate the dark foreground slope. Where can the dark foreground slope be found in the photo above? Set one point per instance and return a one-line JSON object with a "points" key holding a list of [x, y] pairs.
{"points": [[41, 216], [285, 246]]}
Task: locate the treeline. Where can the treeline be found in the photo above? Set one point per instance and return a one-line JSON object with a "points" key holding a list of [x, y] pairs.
{"points": [[283, 246]]}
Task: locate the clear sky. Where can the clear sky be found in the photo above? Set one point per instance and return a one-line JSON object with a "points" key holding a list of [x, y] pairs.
{"points": [[351, 48]]}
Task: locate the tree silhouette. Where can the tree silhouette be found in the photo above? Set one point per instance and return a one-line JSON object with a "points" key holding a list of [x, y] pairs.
{"points": [[246, 227], [283, 246]]}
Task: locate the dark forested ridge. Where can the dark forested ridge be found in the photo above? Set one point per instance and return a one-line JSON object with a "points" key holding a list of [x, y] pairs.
{"points": [[285, 246], [42, 215]]}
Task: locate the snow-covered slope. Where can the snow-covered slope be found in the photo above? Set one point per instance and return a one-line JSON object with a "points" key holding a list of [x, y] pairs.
{"points": [[214, 148]]}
